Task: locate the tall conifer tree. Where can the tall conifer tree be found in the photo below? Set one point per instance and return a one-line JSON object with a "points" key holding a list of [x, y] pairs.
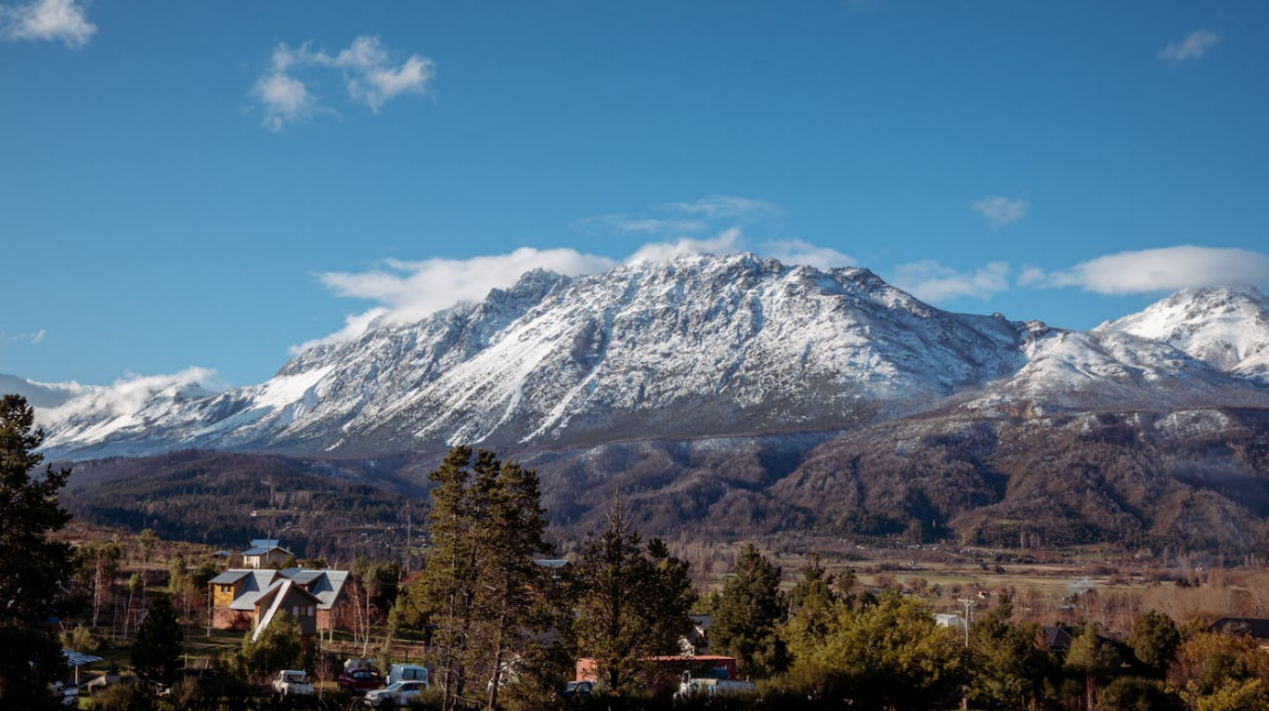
{"points": [[30, 564], [632, 601]]}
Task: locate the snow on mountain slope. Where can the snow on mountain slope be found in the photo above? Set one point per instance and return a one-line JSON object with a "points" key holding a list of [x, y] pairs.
{"points": [[1227, 327], [699, 345], [86, 415], [1099, 370]]}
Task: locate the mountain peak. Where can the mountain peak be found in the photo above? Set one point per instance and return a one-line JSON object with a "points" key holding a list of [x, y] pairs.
{"points": [[1227, 326]]}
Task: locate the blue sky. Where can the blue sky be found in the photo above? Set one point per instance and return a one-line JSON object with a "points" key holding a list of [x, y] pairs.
{"points": [[215, 184]]}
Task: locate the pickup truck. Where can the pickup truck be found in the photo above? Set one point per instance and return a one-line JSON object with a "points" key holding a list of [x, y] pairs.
{"points": [[291, 682]]}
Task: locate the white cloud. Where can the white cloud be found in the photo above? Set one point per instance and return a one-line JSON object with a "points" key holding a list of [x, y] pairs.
{"points": [[284, 99], [409, 291], [1194, 46], [722, 207], [406, 292], [708, 214], [369, 73], [726, 242], [1164, 269], [796, 251], [123, 398], [623, 222], [1000, 210], [38, 337], [930, 281], [47, 20]]}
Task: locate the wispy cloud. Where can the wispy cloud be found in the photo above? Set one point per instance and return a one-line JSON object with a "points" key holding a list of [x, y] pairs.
{"points": [[930, 281], [47, 20], [1194, 46], [370, 77], [408, 291], [625, 222], [708, 214], [726, 242], [723, 207], [33, 337], [1164, 269], [1000, 210], [126, 396], [796, 251]]}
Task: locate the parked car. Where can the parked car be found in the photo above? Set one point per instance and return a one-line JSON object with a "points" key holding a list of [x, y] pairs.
{"points": [[576, 691], [291, 682], [402, 693], [360, 680], [67, 694], [407, 672]]}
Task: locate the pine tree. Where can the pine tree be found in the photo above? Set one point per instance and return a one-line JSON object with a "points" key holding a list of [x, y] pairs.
{"points": [[30, 564], [1092, 658], [1154, 640], [745, 620], [814, 608], [481, 580], [512, 534], [632, 601], [156, 652], [446, 587]]}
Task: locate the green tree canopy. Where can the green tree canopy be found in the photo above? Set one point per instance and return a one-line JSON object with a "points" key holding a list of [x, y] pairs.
{"points": [[1092, 658], [632, 601], [280, 646], [746, 618], [1154, 641], [892, 654], [481, 581], [30, 564], [156, 652], [1006, 667]]}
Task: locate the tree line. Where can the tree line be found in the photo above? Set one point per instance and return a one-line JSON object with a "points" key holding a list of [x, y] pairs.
{"points": [[504, 630]]}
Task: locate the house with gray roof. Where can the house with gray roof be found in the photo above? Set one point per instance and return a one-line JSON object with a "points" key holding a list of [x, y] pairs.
{"points": [[247, 599], [264, 552]]}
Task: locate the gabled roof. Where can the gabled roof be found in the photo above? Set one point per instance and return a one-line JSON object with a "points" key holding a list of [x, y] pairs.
{"points": [[1257, 627], [274, 599], [257, 583], [325, 585], [1058, 639], [229, 577], [261, 550]]}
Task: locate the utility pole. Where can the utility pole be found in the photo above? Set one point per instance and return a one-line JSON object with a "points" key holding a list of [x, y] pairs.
{"points": [[969, 605], [968, 602]]}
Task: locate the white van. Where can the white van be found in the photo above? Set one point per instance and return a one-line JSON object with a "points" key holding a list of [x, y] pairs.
{"points": [[407, 672]]}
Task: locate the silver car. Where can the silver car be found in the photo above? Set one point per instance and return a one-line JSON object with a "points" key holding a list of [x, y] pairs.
{"points": [[402, 693]]}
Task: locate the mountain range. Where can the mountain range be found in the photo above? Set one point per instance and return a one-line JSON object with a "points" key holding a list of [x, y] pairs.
{"points": [[765, 396]]}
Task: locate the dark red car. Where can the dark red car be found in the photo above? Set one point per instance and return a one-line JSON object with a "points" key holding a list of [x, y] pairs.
{"points": [[360, 680]]}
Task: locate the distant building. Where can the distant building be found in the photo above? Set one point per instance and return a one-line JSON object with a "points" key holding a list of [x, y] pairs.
{"points": [[1257, 628], [248, 599], [949, 620], [264, 552]]}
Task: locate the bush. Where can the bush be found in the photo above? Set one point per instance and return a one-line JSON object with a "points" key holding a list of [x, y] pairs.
{"points": [[126, 697]]}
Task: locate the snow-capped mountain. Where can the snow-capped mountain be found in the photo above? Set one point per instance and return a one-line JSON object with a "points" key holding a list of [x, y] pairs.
{"points": [[699, 346], [1227, 327]]}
